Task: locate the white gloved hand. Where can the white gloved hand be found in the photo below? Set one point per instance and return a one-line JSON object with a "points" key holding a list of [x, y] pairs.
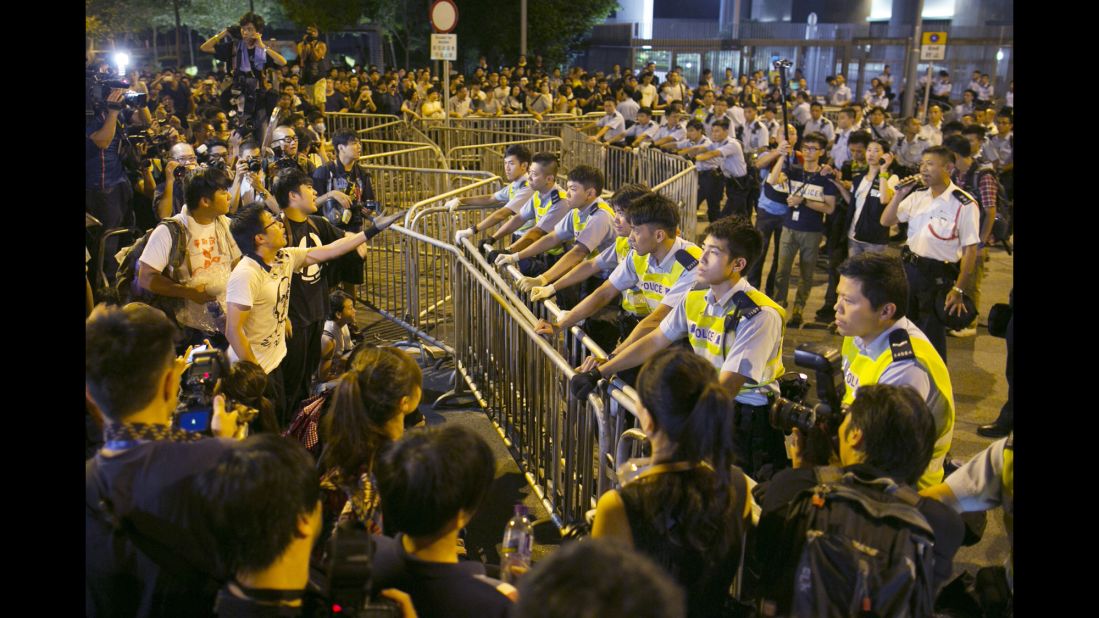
{"points": [[506, 259], [526, 283], [453, 203], [460, 234], [542, 293]]}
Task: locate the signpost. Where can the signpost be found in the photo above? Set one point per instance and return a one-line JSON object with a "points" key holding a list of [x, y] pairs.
{"points": [[932, 47], [444, 46]]}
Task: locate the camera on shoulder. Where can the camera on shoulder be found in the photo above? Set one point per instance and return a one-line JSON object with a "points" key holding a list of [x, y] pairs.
{"points": [[344, 585], [819, 421]]}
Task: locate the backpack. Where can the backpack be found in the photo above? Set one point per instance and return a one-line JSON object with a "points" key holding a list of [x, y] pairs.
{"points": [[126, 286], [853, 547]]}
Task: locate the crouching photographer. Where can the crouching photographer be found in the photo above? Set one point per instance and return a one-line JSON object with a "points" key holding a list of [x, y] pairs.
{"points": [[854, 537], [148, 551]]}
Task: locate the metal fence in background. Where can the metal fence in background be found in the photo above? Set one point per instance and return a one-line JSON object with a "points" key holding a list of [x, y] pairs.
{"points": [[489, 157]]}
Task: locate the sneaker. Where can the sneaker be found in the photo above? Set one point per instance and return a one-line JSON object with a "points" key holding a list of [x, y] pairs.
{"points": [[963, 332]]}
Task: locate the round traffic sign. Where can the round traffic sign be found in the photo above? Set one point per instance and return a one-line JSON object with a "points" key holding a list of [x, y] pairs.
{"points": [[934, 38], [444, 16]]}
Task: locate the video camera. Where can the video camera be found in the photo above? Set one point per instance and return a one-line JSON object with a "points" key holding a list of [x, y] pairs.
{"points": [[350, 219], [197, 388], [344, 586], [819, 421], [98, 87]]}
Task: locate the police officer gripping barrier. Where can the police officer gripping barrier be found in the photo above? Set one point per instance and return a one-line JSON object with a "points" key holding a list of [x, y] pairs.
{"points": [[735, 327]]}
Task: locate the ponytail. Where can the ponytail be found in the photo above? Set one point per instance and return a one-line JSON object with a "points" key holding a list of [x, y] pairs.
{"points": [[709, 430]]}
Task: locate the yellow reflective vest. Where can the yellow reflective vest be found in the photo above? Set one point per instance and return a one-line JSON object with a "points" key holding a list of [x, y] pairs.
{"points": [[655, 286], [633, 301]]}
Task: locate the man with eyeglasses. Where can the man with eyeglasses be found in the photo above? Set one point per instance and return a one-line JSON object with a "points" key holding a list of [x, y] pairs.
{"points": [[284, 141], [941, 250], [168, 198]]}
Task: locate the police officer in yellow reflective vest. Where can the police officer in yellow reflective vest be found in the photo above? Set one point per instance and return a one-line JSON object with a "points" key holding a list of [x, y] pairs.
{"points": [[633, 306], [589, 226], [537, 216], [882, 346], [661, 263], [735, 327], [510, 198]]}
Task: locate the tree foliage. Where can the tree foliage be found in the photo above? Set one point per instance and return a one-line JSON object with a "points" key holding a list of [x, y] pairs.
{"points": [[328, 15]]}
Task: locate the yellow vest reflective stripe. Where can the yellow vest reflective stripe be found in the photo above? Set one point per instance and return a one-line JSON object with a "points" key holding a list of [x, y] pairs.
{"points": [[655, 286], [706, 333], [578, 226], [864, 370], [633, 301]]}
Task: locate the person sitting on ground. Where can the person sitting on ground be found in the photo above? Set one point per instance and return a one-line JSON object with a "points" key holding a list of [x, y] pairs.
{"points": [[368, 409], [431, 484], [689, 508], [598, 578], [336, 344]]}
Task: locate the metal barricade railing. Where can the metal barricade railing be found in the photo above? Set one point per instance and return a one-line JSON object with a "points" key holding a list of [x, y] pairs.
{"points": [[682, 188], [489, 129], [335, 121], [406, 154], [553, 124], [490, 157], [403, 187]]}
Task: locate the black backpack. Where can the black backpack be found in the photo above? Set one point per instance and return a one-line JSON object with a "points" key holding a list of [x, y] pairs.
{"points": [[853, 547], [126, 287]]}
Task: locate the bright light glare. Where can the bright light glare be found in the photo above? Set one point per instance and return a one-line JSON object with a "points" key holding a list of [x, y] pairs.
{"points": [[999, 55], [122, 60]]}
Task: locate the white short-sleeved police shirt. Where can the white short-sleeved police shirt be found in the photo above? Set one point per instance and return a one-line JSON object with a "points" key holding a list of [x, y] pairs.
{"points": [[598, 232], [625, 275], [552, 217], [940, 227], [522, 193]]}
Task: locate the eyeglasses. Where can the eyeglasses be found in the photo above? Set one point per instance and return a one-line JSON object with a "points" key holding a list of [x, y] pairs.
{"points": [[273, 222], [289, 139], [187, 159]]}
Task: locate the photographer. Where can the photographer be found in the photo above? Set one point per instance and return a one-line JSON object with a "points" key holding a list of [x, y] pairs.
{"points": [[148, 551], [887, 436], [250, 181], [200, 278], [243, 49], [107, 191], [882, 346], [284, 143], [312, 54], [168, 198]]}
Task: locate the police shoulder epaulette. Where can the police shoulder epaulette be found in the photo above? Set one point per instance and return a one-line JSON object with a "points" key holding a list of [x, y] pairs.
{"points": [[594, 208], [901, 346], [748, 307], [963, 197], [685, 259], [555, 196], [524, 184]]}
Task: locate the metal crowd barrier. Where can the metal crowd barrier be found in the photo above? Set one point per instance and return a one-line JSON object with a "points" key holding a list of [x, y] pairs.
{"points": [[403, 154], [403, 187], [335, 121], [490, 129], [490, 157], [682, 188]]}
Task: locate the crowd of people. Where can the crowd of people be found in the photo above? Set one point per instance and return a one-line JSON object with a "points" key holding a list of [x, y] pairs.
{"points": [[313, 450]]}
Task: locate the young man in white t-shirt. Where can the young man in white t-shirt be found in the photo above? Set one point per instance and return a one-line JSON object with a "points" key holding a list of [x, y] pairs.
{"points": [[199, 281], [258, 296], [336, 341]]}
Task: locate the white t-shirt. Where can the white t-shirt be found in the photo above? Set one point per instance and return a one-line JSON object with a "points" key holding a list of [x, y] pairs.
{"points": [[341, 338], [210, 257], [648, 95], [267, 293]]}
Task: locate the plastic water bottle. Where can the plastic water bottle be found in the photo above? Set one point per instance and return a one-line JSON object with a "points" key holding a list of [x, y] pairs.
{"points": [[516, 549]]}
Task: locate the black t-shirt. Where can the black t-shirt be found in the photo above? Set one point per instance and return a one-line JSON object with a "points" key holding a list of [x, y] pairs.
{"points": [[333, 176], [807, 219], [776, 496], [309, 286], [150, 487], [335, 102], [438, 590]]}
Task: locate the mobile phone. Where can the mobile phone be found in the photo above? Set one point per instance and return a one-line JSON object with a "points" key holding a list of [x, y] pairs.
{"points": [[196, 421]]}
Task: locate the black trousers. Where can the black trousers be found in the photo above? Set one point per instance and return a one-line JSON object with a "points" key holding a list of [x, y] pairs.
{"points": [[924, 281], [759, 449], [277, 395], [303, 356], [736, 193], [711, 186]]}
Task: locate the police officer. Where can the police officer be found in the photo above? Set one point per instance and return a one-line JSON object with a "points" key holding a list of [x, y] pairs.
{"points": [[882, 346], [735, 327], [537, 217], [941, 250], [733, 168], [754, 135], [710, 182], [818, 123], [510, 199], [661, 263], [589, 226]]}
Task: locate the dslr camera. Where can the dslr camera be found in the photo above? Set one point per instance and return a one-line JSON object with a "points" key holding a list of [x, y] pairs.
{"points": [[197, 389], [343, 586], [819, 421], [98, 87]]}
